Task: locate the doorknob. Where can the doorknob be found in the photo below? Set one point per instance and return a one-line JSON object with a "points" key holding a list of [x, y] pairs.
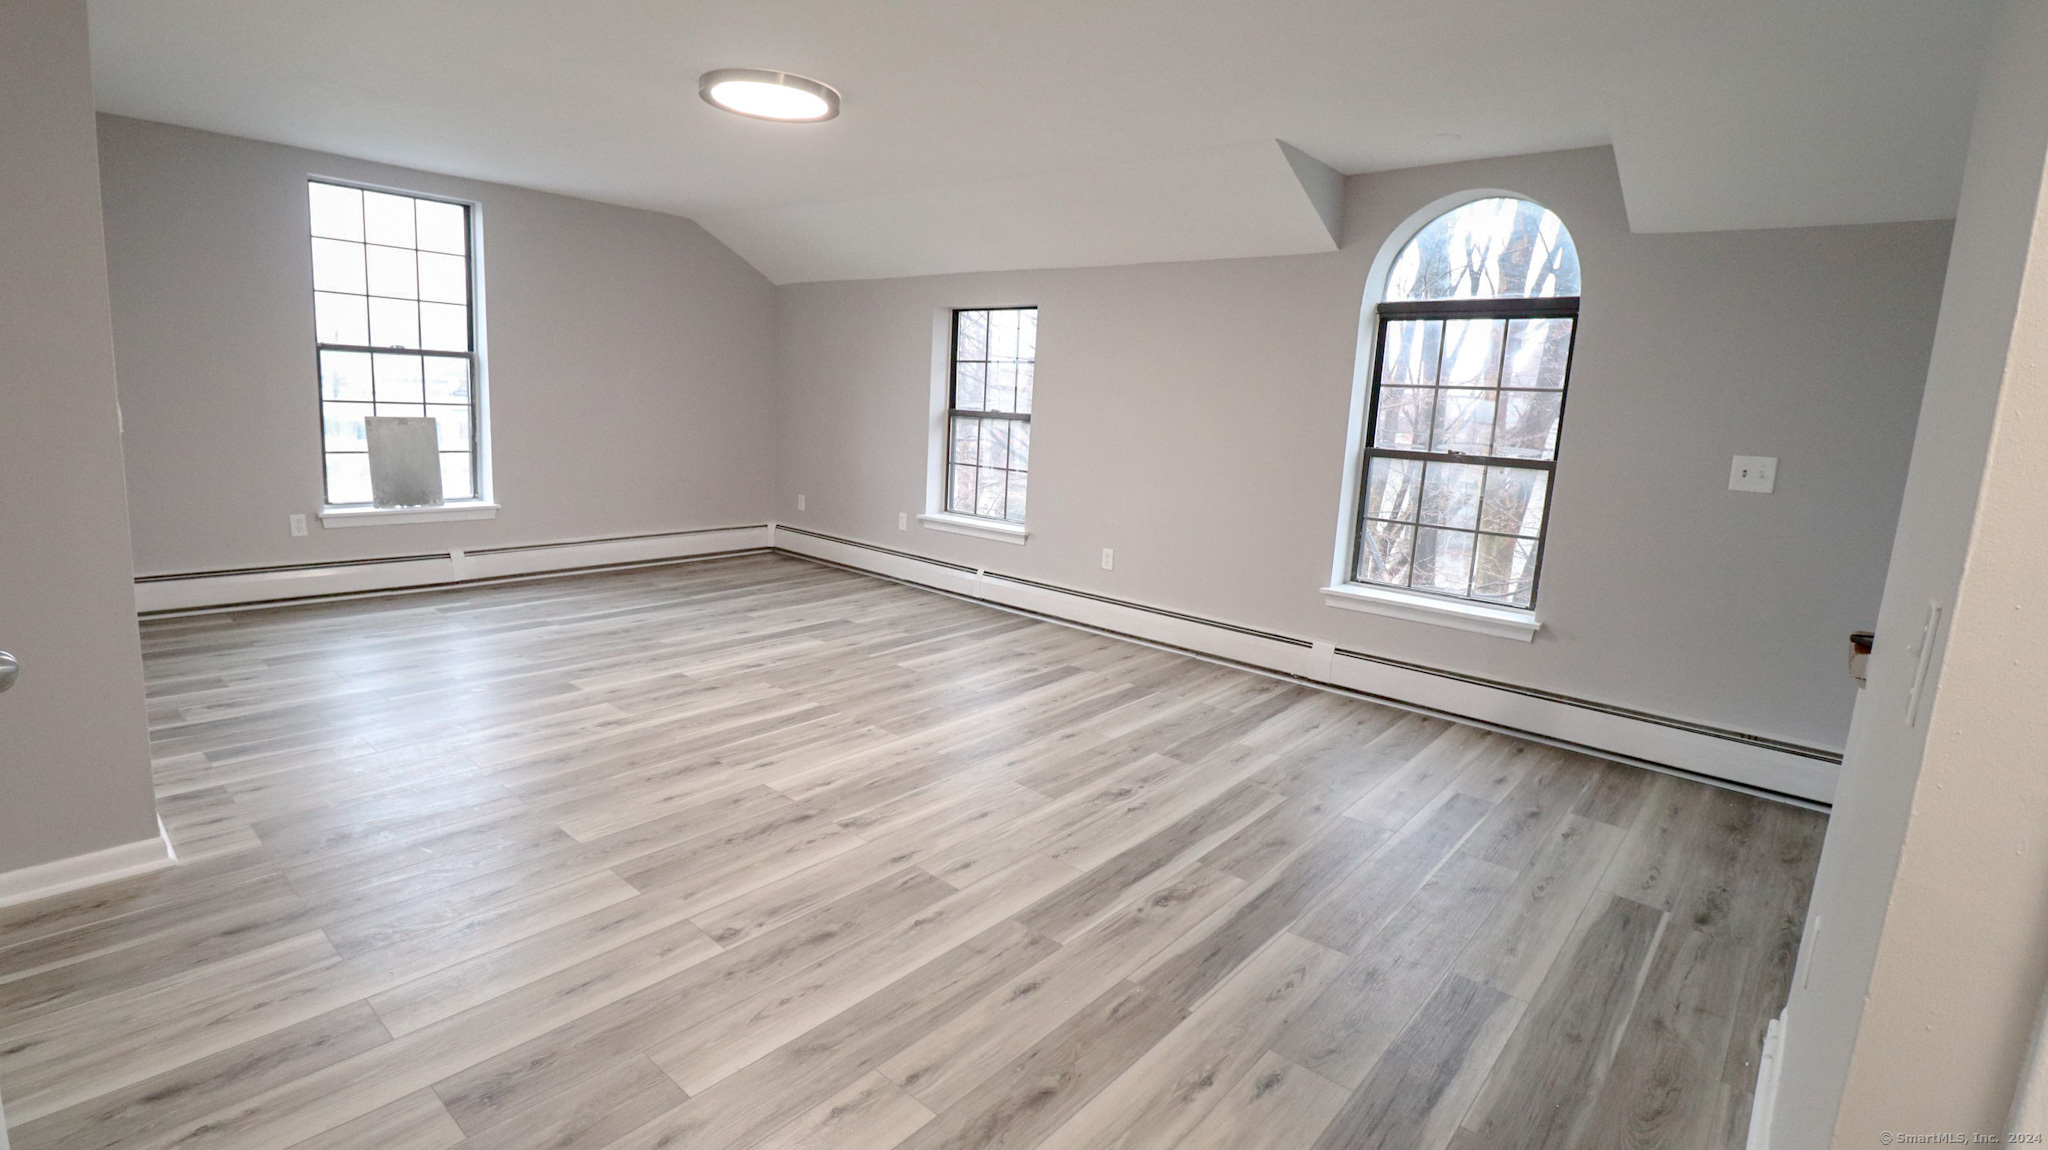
{"points": [[10, 670]]}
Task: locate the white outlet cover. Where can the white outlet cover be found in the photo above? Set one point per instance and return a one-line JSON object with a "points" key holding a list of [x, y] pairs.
{"points": [[799, 503], [298, 525], [1758, 473], [1109, 558], [903, 521]]}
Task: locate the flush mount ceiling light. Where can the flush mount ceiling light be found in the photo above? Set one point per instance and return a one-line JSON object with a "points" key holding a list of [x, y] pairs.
{"points": [[769, 95]]}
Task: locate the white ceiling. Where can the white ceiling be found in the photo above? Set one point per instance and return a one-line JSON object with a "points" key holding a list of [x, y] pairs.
{"points": [[1075, 132]]}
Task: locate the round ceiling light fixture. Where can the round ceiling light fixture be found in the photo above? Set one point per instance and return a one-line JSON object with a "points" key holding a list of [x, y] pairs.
{"points": [[769, 95]]}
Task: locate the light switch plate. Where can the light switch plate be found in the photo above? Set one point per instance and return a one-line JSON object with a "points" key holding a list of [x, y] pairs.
{"points": [[1757, 473]]}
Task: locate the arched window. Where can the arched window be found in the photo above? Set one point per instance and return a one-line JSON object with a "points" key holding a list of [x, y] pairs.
{"points": [[1473, 353]]}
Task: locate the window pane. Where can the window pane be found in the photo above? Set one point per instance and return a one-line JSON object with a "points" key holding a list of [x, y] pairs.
{"points": [[1025, 371], [1002, 387], [444, 278], [343, 424], [394, 323], [960, 496], [393, 272], [988, 500], [337, 212], [1539, 350], [1472, 353], [1498, 248], [1020, 447], [1385, 551], [444, 326], [1528, 424], [452, 425], [1443, 561], [340, 318], [1002, 334], [966, 441], [447, 379], [1464, 421], [345, 375], [1450, 495], [970, 390], [995, 443], [442, 227], [387, 219], [1393, 487], [1505, 571], [338, 266], [1404, 418], [398, 379], [1411, 352], [455, 475], [1514, 501], [1027, 333], [348, 479], [1015, 509], [973, 335]]}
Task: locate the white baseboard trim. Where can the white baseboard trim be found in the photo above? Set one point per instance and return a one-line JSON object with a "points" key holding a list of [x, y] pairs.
{"points": [[62, 876], [1765, 1098], [1805, 775], [203, 590]]}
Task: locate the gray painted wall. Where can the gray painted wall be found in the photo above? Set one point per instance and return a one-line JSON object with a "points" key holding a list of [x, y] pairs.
{"points": [[628, 357], [74, 764], [1194, 417], [1927, 941]]}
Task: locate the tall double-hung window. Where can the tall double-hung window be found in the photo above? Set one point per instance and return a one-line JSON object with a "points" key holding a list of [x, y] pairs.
{"points": [[988, 412], [394, 316], [1472, 365]]}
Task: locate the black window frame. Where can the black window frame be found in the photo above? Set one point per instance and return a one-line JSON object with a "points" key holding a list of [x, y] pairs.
{"points": [[1538, 307], [474, 355], [954, 413]]}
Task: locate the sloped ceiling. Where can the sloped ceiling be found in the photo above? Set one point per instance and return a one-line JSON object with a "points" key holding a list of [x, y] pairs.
{"points": [[1065, 133]]}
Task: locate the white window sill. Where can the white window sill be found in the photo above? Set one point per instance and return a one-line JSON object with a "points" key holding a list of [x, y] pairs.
{"points": [[393, 516], [1504, 622], [999, 530]]}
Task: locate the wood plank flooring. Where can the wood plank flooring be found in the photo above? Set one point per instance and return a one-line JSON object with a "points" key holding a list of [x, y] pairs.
{"points": [[762, 855]]}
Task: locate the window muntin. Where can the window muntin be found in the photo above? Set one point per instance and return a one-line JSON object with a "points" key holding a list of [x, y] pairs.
{"points": [[1473, 357], [394, 329], [988, 411]]}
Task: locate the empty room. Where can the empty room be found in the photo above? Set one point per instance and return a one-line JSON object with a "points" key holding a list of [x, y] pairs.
{"points": [[938, 576]]}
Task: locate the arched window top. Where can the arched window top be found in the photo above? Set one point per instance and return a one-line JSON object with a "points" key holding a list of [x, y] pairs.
{"points": [[1495, 248]]}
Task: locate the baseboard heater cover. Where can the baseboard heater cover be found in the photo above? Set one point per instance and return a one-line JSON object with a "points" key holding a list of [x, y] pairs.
{"points": [[158, 595], [1781, 746], [1774, 768]]}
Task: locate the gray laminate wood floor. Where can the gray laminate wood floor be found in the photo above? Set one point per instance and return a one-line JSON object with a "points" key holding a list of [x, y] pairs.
{"points": [[759, 853]]}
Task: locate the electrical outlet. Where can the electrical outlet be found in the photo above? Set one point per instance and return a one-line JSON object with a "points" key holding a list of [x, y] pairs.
{"points": [[1758, 473], [298, 525], [1109, 558], [903, 521], [799, 503]]}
